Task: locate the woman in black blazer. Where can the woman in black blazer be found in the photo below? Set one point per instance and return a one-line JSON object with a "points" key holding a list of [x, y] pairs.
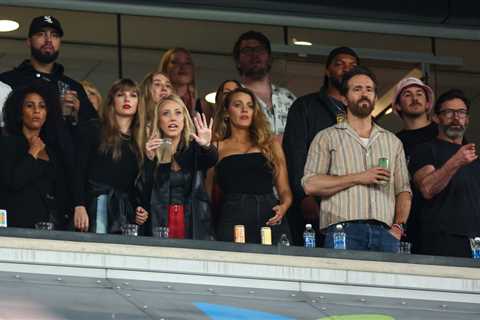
{"points": [[33, 175]]}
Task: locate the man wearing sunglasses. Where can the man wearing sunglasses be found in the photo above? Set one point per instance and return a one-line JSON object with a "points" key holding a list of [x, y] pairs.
{"points": [[447, 172]]}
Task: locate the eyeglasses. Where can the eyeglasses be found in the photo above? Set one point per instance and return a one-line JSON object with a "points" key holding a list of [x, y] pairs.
{"points": [[251, 50], [449, 113]]}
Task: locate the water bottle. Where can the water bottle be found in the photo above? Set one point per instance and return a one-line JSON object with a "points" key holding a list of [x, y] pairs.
{"points": [[339, 238], [284, 241], [309, 236], [475, 244]]}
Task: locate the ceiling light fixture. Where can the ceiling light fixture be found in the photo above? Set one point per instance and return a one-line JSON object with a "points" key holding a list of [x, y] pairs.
{"points": [[210, 97], [8, 25], [389, 110], [301, 42]]}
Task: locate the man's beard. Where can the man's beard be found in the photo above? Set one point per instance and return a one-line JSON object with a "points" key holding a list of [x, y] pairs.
{"points": [[359, 111], [453, 131], [257, 73], [414, 114], [43, 57]]}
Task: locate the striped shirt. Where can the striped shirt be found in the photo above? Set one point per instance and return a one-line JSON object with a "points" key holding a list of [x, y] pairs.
{"points": [[339, 151]]}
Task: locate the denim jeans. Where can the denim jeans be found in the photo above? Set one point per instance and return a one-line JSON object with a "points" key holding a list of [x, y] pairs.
{"points": [[102, 214], [365, 235]]}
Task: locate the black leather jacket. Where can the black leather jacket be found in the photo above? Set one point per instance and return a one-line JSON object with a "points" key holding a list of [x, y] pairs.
{"points": [[154, 187]]}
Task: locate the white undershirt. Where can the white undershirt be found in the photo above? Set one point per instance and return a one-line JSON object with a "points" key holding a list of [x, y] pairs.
{"points": [[364, 141]]}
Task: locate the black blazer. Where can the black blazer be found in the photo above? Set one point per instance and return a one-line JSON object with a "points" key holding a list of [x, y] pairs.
{"points": [[24, 183]]}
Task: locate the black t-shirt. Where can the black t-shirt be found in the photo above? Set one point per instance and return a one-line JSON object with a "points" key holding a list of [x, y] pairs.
{"points": [[413, 138], [456, 209]]}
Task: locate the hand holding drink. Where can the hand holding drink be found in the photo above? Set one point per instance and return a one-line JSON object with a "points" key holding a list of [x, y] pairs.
{"points": [[384, 163]]}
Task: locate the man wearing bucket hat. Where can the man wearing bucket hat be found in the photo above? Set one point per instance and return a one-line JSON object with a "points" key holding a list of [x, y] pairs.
{"points": [[413, 101]]}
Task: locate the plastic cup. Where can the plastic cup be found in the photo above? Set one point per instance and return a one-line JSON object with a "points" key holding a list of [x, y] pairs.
{"points": [[130, 230], [44, 226]]}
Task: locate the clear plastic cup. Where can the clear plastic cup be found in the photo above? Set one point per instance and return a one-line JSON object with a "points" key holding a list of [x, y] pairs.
{"points": [[130, 230], [42, 225], [160, 232]]}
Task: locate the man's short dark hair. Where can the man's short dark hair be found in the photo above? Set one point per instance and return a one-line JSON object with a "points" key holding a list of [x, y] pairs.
{"points": [[251, 35], [356, 71], [450, 95]]}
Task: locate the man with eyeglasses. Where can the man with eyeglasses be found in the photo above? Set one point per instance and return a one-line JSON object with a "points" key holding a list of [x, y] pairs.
{"points": [[253, 58], [447, 172], [413, 101]]}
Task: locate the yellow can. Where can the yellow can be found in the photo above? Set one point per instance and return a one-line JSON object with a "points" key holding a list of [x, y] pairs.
{"points": [[266, 233], [239, 233]]}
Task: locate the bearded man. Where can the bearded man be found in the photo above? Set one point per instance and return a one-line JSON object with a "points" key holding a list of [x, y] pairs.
{"points": [[345, 167], [44, 40], [447, 173]]}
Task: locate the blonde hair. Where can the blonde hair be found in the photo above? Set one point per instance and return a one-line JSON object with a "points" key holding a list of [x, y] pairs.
{"points": [[89, 85], [188, 128], [165, 61], [111, 136], [145, 89], [260, 133]]}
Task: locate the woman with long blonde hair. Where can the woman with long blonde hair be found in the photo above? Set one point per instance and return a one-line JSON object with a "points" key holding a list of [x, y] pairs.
{"points": [[109, 157], [177, 64], [251, 164], [171, 183]]}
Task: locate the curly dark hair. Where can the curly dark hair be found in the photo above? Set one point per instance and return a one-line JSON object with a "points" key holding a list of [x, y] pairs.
{"points": [[12, 111]]}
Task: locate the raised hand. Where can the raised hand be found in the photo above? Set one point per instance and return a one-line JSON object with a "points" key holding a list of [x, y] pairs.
{"points": [[466, 154], [152, 144], [70, 99], [204, 130]]}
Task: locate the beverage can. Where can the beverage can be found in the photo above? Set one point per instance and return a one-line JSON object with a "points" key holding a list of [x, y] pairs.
{"points": [[266, 234], [383, 163], [3, 218], [239, 233]]}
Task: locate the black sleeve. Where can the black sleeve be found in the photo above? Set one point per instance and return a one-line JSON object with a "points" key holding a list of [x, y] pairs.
{"points": [[421, 156], [295, 146], [205, 157], [19, 168], [87, 144]]}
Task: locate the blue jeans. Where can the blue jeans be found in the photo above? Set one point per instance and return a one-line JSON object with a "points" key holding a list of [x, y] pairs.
{"points": [[365, 235]]}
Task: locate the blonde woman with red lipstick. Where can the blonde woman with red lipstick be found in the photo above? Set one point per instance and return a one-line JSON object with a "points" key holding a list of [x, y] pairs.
{"points": [[109, 157], [171, 184], [251, 164]]}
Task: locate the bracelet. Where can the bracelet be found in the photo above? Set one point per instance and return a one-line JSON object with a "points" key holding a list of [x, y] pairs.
{"points": [[399, 226]]}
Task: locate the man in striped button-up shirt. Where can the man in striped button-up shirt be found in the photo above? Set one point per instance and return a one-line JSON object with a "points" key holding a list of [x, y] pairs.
{"points": [[342, 168]]}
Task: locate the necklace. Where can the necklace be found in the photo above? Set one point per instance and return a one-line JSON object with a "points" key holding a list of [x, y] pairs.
{"points": [[340, 116]]}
